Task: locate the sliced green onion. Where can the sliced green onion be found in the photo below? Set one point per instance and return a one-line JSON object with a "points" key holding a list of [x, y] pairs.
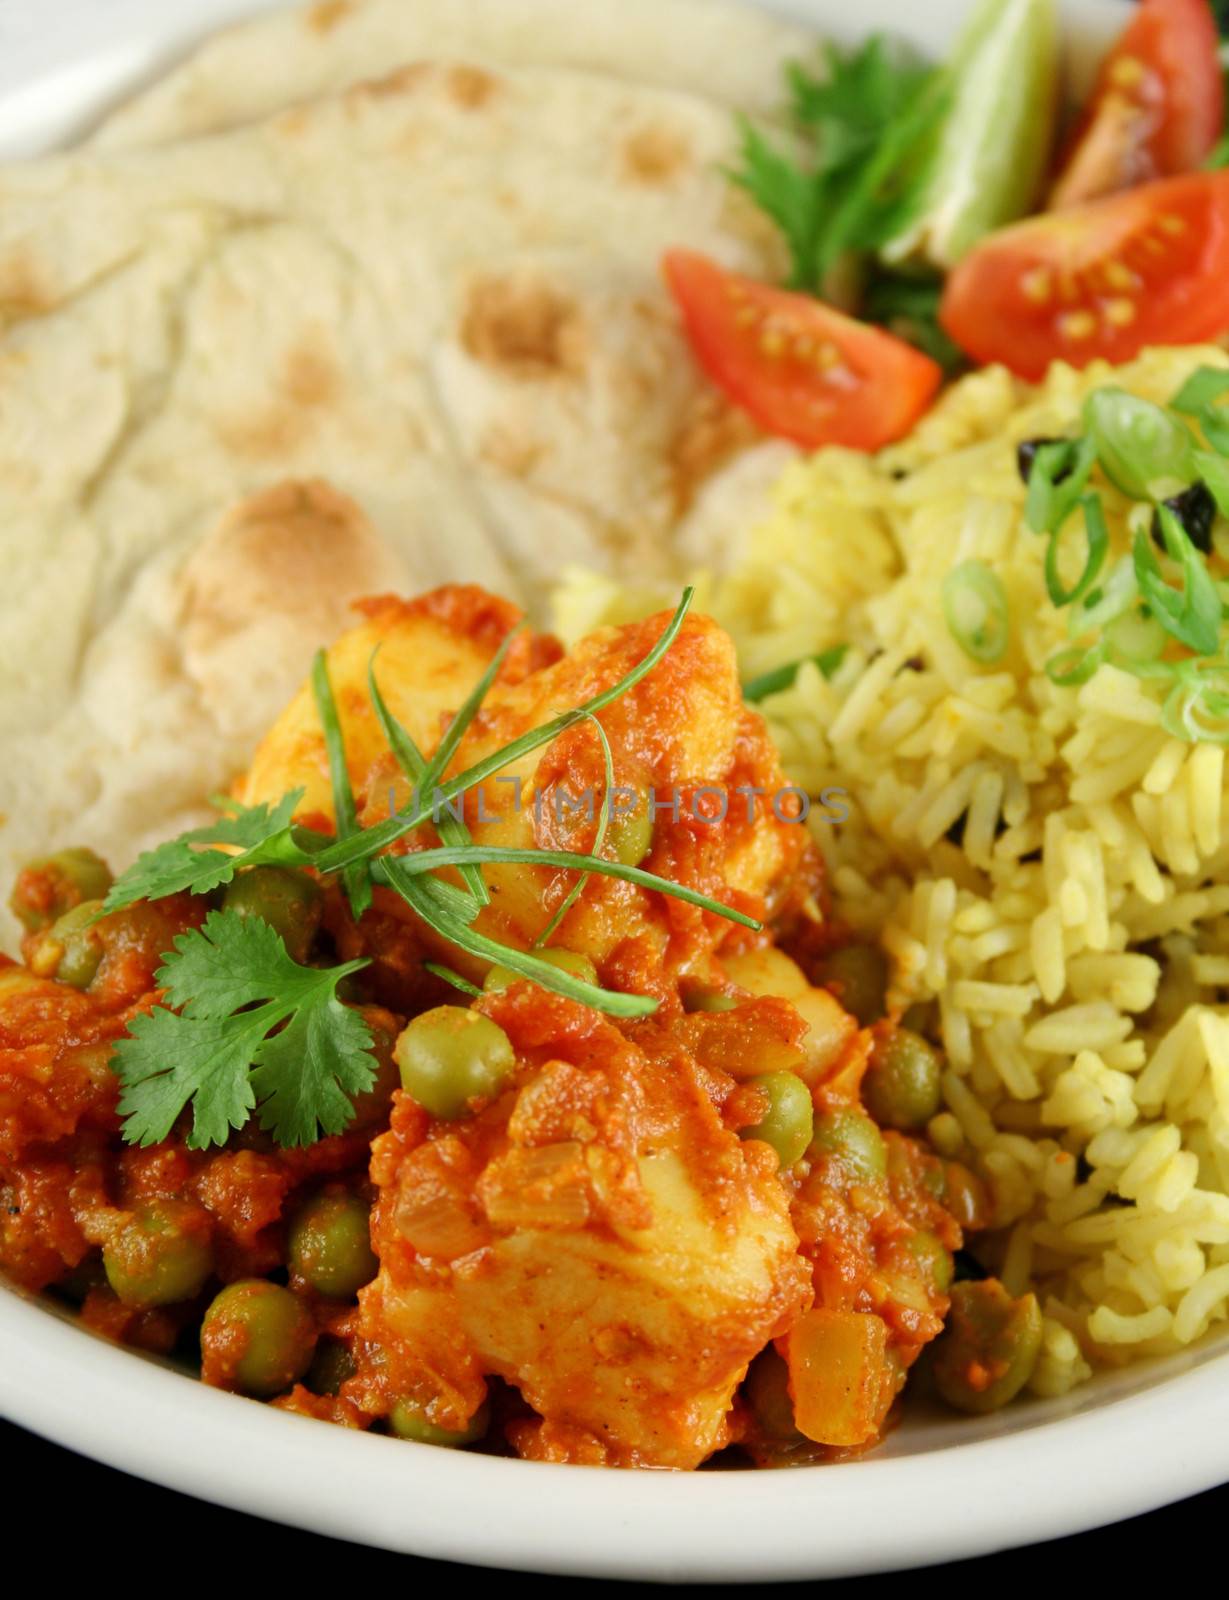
{"points": [[1135, 639], [1214, 471], [1074, 666], [1143, 450], [1197, 708], [1056, 482], [782, 678], [1202, 389], [1193, 614], [1200, 397], [1098, 539], [1100, 606], [975, 606]]}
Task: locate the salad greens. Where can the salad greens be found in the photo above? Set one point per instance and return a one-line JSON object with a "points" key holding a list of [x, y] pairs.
{"points": [[863, 123], [896, 167]]}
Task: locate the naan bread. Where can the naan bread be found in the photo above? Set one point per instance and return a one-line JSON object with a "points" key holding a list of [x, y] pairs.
{"points": [[440, 293], [720, 49]]}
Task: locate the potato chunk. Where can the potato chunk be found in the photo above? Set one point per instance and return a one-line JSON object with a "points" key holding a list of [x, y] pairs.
{"points": [[428, 654], [694, 771], [597, 1237]]}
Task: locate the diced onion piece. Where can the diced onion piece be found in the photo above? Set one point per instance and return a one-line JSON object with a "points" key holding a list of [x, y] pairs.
{"points": [[841, 1380], [759, 1036], [440, 1226], [546, 1187]]}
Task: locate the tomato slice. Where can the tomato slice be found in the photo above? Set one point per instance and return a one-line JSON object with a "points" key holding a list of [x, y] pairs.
{"points": [[1157, 109], [1101, 281], [803, 371]]}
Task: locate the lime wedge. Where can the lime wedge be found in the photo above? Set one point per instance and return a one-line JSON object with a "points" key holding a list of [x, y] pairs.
{"points": [[991, 150]]}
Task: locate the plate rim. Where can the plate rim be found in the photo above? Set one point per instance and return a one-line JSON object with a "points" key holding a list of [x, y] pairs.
{"points": [[1039, 1481]]}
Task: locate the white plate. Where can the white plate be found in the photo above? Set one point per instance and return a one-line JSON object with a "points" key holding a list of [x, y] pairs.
{"points": [[941, 1488]]}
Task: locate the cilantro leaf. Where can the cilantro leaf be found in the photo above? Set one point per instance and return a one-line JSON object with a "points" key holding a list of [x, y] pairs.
{"points": [[860, 97], [863, 128], [253, 1029], [193, 861], [167, 1061], [307, 1074]]}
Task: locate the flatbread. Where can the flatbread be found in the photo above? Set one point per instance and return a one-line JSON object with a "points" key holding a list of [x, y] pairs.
{"points": [[440, 293], [720, 49]]}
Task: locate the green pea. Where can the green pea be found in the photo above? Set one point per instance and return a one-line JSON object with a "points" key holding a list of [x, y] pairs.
{"points": [[767, 1393], [329, 1246], [986, 1353], [451, 1056], [80, 946], [851, 1140], [903, 1084], [788, 1123], [631, 834], [257, 1337], [858, 976], [371, 1107], [51, 885], [964, 1196], [409, 1420], [572, 962], [703, 997], [288, 900], [331, 1366], [160, 1255], [933, 1258]]}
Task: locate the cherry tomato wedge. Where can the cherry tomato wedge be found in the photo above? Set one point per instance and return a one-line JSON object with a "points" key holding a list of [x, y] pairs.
{"points": [[1101, 281], [1157, 109], [803, 371]]}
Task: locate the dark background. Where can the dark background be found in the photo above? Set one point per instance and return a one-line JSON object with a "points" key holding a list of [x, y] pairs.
{"points": [[105, 1510]]}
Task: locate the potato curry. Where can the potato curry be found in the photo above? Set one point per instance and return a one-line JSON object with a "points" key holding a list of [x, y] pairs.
{"points": [[530, 1122]]}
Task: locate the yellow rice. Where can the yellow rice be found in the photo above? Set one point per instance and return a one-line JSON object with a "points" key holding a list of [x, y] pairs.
{"points": [[1072, 953]]}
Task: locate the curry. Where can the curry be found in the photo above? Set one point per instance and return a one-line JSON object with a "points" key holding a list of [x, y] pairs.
{"points": [[647, 1188]]}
